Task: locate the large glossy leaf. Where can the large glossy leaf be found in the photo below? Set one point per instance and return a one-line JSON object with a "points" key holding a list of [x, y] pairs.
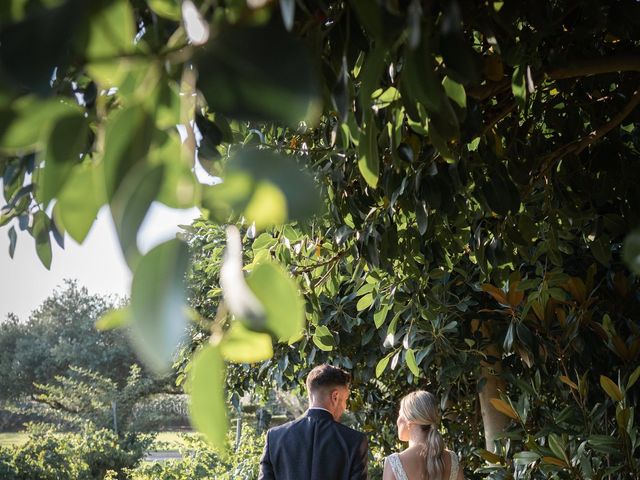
{"points": [[610, 387], [166, 8], [243, 72], [278, 294], [130, 204], [127, 139], [323, 339], [66, 142], [241, 345], [504, 407], [40, 232], [206, 387], [33, 47], [267, 188], [27, 123], [80, 200], [411, 362], [111, 33], [158, 304]]}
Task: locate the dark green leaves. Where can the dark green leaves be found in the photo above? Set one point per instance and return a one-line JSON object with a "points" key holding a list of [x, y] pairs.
{"points": [[518, 86], [267, 188], [244, 72], [206, 385], [67, 141], [33, 47], [158, 304], [459, 56]]}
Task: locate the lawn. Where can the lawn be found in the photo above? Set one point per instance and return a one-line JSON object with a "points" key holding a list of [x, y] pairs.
{"points": [[163, 441], [13, 438]]}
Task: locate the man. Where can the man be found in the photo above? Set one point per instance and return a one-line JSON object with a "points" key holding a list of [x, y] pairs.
{"points": [[316, 446]]}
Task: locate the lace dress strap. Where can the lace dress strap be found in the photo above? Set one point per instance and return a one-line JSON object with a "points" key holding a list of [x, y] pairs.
{"points": [[454, 466], [396, 466]]}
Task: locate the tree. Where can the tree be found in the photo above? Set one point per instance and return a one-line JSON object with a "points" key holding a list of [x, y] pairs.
{"points": [[461, 146], [60, 334]]}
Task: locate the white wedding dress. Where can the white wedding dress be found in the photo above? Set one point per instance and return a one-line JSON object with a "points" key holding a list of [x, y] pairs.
{"points": [[398, 471]]}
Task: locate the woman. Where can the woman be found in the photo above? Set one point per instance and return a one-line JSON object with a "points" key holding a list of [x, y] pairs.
{"points": [[425, 458]]}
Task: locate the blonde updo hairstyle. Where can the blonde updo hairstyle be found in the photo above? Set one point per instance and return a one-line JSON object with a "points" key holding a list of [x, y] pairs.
{"points": [[421, 408]]}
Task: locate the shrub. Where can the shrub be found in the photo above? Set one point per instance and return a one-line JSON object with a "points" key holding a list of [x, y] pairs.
{"points": [[87, 455], [201, 462]]}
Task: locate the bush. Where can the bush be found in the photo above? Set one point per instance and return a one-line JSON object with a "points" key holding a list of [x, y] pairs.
{"points": [[160, 412], [201, 462], [87, 455]]}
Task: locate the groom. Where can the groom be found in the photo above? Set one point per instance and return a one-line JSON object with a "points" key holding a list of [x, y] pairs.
{"points": [[316, 446]]}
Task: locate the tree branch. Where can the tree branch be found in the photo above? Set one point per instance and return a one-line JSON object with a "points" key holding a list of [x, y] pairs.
{"points": [[596, 66]]}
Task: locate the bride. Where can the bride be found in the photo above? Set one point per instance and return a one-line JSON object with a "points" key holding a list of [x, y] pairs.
{"points": [[425, 458]]}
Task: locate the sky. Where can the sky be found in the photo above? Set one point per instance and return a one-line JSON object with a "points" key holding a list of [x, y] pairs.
{"points": [[97, 264]]}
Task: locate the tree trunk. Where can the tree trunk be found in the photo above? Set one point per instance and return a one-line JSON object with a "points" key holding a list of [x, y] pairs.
{"points": [[493, 421]]}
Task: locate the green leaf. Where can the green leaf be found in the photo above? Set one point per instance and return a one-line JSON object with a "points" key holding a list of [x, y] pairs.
{"points": [[455, 91], [601, 250], [267, 188], [13, 238], [381, 315], [611, 388], [169, 9], [410, 358], [111, 34], [631, 251], [556, 445], [364, 302], [278, 294], [504, 407], [242, 73], [370, 76], [179, 184], [28, 122], [158, 300], [518, 86], [80, 200], [368, 160], [323, 339], [382, 364], [117, 318], [241, 345], [206, 387], [525, 458], [633, 378], [127, 139], [40, 232], [67, 141], [130, 204]]}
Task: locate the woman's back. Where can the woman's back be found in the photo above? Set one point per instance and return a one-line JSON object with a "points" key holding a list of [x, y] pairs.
{"points": [[410, 465]]}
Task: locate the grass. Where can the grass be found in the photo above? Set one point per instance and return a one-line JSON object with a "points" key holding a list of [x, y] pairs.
{"points": [[163, 441], [13, 438]]}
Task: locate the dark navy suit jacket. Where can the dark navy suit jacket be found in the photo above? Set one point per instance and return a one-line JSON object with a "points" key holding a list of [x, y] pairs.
{"points": [[314, 447]]}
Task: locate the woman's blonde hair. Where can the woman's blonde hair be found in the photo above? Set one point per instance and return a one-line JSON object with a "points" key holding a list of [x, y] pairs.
{"points": [[421, 408]]}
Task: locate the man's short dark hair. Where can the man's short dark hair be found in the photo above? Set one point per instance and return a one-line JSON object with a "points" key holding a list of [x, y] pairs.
{"points": [[325, 376]]}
